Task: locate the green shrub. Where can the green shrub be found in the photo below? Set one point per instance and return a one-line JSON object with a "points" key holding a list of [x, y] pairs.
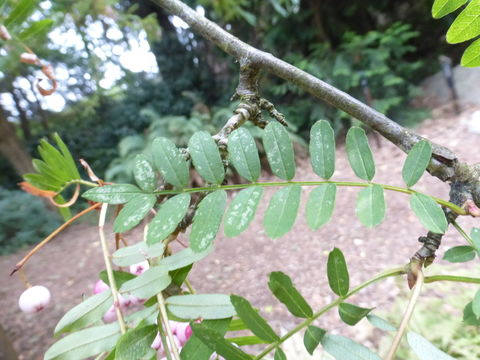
{"points": [[23, 220]]}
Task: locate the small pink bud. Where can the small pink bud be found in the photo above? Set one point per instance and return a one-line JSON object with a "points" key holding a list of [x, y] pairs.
{"points": [[4, 34], [29, 58], [100, 287], [34, 299], [184, 331], [110, 315], [157, 343], [139, 268]]}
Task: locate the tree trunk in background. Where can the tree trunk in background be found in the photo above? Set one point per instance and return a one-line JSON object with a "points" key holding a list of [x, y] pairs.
{"points": [[11, 147], [22, 115], [6, 349]]}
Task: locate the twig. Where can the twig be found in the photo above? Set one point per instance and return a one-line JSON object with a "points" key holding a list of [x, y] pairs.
{"points": [[443, 161], [407, 315], [108, 265], [166, 324], [51, 236]]}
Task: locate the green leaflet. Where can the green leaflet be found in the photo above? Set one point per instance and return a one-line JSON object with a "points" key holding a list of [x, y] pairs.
{"points": [[441, 8], [467, 25], [279, 149], [279, 355], [206, 306], [133, 212], [86, 313], [337, 272], [282, 287], [380, 323], [252, 319], [37, 28], [471, 56], [476, 304], [424, 349], [241, 211], [429, 213], [46, 172], [416, 163], [139, 252], [320, 205], [120, 277], [312, 337], [20, 13], [359, 154], [169, 215], [243, 154], [206, 157], [370, 207], [282, 211], [322, 149], [207, 220], [344, 348], [459, 254], [475, 235], [170, 162], [469, 317], [183, 258], [144, 173], [352, 314], [148, 284], [214, 340], [135, 343], [84, 343], [195, 349], [112, 194]]}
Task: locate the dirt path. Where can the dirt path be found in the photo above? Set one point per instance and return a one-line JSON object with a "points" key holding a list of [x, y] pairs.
{"points": [[69, 266]]}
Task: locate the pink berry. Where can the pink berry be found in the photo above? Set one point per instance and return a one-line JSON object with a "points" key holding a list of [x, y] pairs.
{"points": [[139, 268], [34, 299], [100, 287]]}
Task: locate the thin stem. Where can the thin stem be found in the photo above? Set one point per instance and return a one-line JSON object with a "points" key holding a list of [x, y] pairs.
{"points": [[407, 316], [462, 232], [163, 338], [108, 266], [454, 278], [453, 207], [77, 182], [305, 323], [164, 316], [189, 286], [51, 236]]}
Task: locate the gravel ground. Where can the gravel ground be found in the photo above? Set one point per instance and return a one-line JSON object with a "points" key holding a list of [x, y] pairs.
{"points": [[70, 264]]}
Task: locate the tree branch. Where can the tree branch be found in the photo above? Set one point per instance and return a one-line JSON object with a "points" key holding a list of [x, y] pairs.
{"points": [[443, 162]]}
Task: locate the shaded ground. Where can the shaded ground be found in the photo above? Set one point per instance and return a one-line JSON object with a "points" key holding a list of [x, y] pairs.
{"points": [[69, 266]]}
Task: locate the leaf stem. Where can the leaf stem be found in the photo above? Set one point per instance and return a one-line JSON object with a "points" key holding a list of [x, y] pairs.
{"points": [[454, 278], [41, 244], [388, 273], [166, 324], [407, 316], [447, 204], [462, 232], [108, 266]]}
